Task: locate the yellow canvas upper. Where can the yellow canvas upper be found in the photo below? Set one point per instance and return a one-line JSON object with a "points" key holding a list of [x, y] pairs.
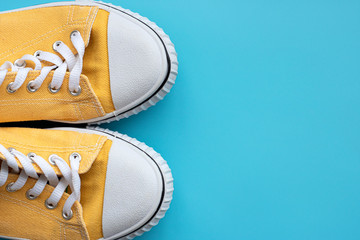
{"points": [[44, 105], [30, 219], [27, 31]]}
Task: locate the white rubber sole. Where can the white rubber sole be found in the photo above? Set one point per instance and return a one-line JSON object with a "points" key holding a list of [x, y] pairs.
{"points": [[168, 82], [167, 179]]}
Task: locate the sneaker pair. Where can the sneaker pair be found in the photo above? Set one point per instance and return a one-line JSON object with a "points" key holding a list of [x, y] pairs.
{"points": [[80, 62]]}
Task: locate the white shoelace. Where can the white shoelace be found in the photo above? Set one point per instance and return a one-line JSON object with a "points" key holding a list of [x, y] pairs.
{"points": [[70, 177], [73, 64]]}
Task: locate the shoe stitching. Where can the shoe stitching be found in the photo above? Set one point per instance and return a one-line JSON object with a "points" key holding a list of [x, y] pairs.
{"points": [[90, 97], [81, 233], [40, 38], [45, 213], [61, 231], [30, 207], [29, 146]]}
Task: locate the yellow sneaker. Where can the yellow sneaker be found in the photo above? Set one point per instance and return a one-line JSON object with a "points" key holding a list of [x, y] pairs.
{"points": [[81, 62], [74, 184]]}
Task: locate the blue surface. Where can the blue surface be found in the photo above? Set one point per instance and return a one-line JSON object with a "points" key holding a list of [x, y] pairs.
{"points": [[261, 129]]}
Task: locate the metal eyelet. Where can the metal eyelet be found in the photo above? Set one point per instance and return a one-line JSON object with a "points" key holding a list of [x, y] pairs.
{"points": [[11, 150], [51, 160], [37, 53], [74, 33], [77, 92], [49, 205], [8, 88], [56, 45], [8, 187], [30, 196], [20, 63], [53, 90], [31, 89], [75, 156], [31, 156], [67, 216]]}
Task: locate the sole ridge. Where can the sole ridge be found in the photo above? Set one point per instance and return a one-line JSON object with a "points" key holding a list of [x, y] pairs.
{"points": [[170, 81], [165, 171]]}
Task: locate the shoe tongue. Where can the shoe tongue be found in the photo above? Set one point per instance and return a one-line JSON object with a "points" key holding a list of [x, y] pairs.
{"points": [[45, 142], [27, 31]]}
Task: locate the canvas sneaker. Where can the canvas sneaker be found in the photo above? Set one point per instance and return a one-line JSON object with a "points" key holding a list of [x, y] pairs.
{"points": [[70, 183], [81, 62]]}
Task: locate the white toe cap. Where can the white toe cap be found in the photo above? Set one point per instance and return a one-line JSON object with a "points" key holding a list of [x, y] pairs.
{"points": [[133, 189], [137, 61]]}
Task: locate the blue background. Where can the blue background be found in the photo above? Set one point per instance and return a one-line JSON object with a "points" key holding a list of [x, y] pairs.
{"points": [[261, 129]]}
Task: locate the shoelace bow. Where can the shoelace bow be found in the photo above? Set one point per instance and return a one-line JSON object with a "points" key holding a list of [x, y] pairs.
{"points": [[73, 64], [70, 177]]}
